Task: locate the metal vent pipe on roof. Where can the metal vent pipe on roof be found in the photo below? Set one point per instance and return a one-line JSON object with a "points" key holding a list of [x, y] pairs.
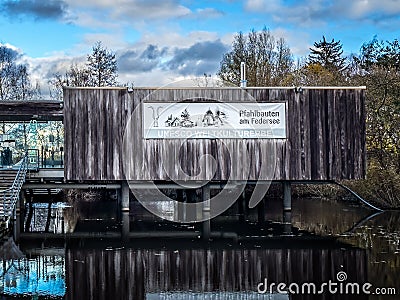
{"points": [[243, 81]]}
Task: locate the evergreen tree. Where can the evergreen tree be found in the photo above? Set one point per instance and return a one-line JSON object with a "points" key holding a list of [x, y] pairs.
{"points": [[102, 66], [230, 64], [185, 115], [328, 54], [379, 54]]}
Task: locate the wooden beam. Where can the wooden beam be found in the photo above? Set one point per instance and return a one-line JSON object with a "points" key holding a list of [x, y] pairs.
{"points": [[31, 110]]}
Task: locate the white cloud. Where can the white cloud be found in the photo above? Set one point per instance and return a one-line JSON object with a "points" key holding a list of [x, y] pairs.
{"points": [[112, 41], [54, 9], [302, 13], [91, 19], [314, 12], [261, 5], [297, 40], [363, 8], [155, 78], [173, 37], [44, 68], [151, 10], [156, 59], [208, 13], [108, 13]]}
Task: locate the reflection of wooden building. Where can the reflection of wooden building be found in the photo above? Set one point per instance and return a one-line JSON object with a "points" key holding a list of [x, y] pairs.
{"points": [[325, 136], [134, 274]]}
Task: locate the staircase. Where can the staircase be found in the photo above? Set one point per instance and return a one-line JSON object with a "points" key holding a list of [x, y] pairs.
{"points": [[11, 182], [7, 177]]}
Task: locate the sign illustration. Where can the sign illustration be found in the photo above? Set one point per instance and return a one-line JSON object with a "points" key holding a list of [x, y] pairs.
{"points": [[214, 120]]}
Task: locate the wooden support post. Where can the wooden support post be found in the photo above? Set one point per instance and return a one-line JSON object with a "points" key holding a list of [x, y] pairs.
{"points": [[287, 222], [181, 213], [242, 207], [191, 214], [125, 225], [118, 194], [287, 196], [206, 212], [124, 202], [17, 221], [48, 220], [287, 207], [29, 217], [125, 197], [22, 209]]}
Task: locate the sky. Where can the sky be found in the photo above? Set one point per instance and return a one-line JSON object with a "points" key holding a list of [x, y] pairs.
{"points": [[159, 42]]}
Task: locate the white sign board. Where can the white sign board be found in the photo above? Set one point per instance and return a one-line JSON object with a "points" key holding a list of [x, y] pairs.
{"points": [[163, 120]]}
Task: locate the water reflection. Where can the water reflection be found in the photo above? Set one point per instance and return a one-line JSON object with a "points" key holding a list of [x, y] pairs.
{"points": [[380, 236], [320, 216], [144, 273], [327, 238], [52, 217], [39, 276]]}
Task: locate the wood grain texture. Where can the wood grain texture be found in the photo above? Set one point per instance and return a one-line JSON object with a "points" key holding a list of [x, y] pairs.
{"points": [[325, 137]]}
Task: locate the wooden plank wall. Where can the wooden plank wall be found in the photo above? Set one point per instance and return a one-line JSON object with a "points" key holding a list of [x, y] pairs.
{"points": [[325, 137]]}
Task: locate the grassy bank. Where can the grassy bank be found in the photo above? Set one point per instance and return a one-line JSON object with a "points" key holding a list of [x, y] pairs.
{"points": [[381, 188]]}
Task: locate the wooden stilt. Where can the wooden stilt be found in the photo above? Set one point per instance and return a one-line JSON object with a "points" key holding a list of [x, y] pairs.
{"points": [[287, 207], [206, 212]]}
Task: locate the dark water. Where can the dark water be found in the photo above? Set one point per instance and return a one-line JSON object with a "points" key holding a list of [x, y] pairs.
{"points": [[327, 239]]}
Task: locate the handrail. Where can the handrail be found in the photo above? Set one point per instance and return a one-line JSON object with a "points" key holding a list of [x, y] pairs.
{"points": [[23, 166], [363, 221], [357, 196], [10, 196]]}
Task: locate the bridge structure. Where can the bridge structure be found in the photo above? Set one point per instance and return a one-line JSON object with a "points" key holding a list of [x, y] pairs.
{"points": [[119, 138]]}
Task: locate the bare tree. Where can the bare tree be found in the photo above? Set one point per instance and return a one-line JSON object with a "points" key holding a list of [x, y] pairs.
{"points": [[15, 84], [7, 71], [76, 76], [100, 70], [268, 61]]}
